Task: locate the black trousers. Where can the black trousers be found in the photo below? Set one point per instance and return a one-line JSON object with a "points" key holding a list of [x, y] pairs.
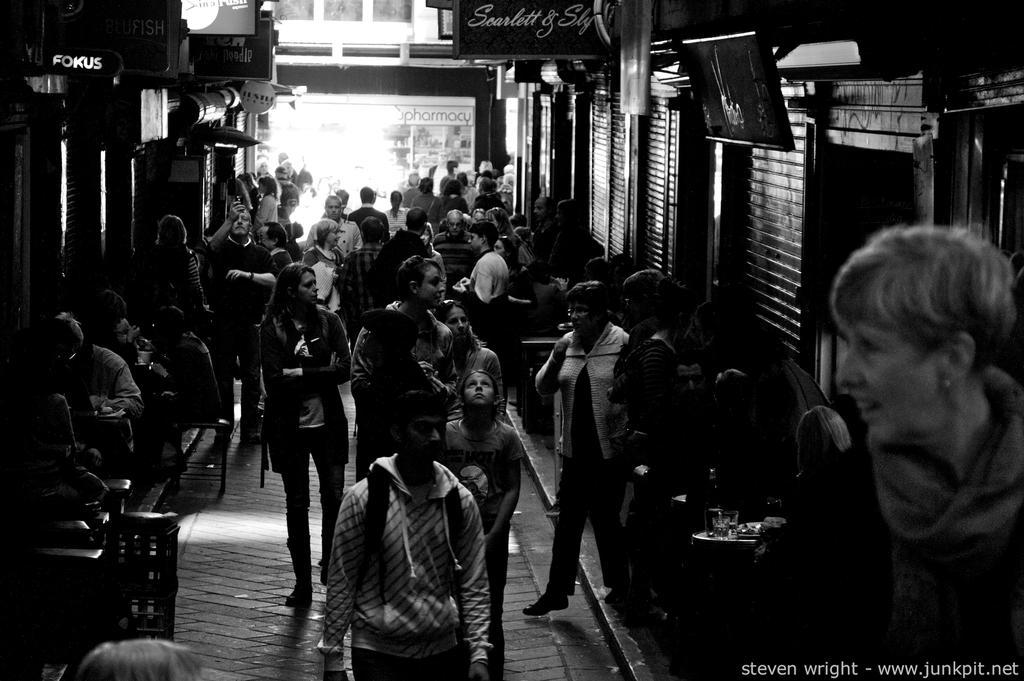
{"points": [[590, 486], [496, 558], [369, 665], [238, 339], [331, 473]]}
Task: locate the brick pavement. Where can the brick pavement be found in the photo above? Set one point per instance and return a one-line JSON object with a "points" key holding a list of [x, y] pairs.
{"points": [[234, 573]]}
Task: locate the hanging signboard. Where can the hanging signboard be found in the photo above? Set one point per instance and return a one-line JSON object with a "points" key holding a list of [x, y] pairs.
{"points": [[220, 17], [258, 96], [526, 29], [235, 58], [146, 33], [737, 85]]}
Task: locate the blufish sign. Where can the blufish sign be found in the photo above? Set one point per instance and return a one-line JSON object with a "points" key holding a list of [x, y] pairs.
{"points": [[82, 62], [526, 29]]}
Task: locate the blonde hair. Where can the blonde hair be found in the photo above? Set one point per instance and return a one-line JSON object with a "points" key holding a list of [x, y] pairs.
{"points": [[927, 284], [321, 228], [140, 660], [821, 437]]}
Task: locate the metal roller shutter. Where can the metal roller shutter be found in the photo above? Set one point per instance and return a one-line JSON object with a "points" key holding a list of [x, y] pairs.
{"points": [[773, 233], [600, 134], [241, 118], [618, 177], [237, 119], [657, 220]]}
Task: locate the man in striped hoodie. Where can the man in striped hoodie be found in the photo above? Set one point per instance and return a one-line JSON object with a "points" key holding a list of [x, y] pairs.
{"points": [[409, 615]]}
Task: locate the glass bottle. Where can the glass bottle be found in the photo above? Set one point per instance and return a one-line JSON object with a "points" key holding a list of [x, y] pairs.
{"points": [[713, 502]]}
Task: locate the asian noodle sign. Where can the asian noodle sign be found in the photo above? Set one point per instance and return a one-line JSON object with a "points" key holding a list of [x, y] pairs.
{"points": [[526, 29]]}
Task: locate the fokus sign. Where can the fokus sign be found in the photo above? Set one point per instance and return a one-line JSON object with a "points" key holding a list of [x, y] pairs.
{"points": [[82, 62], [526, 29]]}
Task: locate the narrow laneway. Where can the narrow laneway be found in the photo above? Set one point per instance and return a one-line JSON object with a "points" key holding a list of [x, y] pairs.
{"points": [[234, 574]]}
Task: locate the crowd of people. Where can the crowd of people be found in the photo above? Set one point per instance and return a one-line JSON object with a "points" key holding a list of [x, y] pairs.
{"points": [[421, 308]]}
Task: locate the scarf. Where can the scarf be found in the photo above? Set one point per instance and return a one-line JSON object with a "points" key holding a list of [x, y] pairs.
{"points": [[964, 526]]}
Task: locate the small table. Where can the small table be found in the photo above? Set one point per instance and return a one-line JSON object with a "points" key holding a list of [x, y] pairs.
{"points": [[731, 543], [722, 570]]}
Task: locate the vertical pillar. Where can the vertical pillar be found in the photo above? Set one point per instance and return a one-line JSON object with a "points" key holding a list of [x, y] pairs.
{"points": [[581, 181], [44, 200], [118, 251], [694, 248], [535, 146], [83, 251], [561, 145]]}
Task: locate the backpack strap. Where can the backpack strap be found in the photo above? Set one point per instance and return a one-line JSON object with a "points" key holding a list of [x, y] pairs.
{"points": [[453, 510], [379, 491]]}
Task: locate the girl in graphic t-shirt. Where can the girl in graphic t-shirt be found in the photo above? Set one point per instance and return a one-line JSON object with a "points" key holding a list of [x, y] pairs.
{"points": [[485, 452]]}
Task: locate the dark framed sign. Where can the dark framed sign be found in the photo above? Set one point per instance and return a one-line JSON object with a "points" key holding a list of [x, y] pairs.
{"points": [[526, 29], [235, 58], [144, 32], [737, 85], [220, 17]]}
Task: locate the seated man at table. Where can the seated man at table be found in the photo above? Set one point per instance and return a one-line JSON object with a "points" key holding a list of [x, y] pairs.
{"points": [[39, 463], [114, 397], [189, 366], [185, 387], [106, 375]]}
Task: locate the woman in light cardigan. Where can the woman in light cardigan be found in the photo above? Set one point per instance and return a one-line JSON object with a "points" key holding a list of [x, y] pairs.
{"points": [[593, 478]]}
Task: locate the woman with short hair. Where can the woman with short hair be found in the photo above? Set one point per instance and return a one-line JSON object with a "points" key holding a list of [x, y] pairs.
{"points": [[593, 481], [305, 357], [325, 258], [924, 311]]}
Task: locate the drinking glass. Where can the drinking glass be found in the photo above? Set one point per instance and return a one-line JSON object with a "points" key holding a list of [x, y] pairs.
{"points": [[711, 515], [731, 520]]}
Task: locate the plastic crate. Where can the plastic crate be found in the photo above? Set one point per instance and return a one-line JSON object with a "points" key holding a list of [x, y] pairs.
{"points": [[147, 552], [152, 614]]}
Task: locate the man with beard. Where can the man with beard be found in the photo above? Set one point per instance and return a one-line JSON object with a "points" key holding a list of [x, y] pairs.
{"points": [[408, 625], [242, 280]]}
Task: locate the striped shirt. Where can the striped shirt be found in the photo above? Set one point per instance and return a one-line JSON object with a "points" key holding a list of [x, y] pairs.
{"points": [[396, 222], [419, 618]]}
